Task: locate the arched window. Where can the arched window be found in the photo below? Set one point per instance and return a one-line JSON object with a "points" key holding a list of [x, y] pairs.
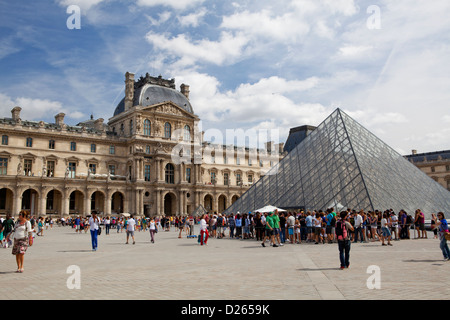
{"points": [[167, 130], [187, 133], [147, 127], [170, 173]]}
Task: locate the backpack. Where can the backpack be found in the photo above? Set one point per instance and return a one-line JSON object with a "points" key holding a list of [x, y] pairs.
{"points": [[333, 221], [341, 230]]}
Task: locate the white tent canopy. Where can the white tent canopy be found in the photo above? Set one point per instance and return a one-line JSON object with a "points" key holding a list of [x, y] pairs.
{"points": [[269, 208]]}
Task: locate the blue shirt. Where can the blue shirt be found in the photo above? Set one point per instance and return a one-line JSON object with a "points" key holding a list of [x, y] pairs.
{"points": [[308, 221]]}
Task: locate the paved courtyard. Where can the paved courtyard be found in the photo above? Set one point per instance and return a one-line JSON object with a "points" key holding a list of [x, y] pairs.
{"points": [[226, 269]]}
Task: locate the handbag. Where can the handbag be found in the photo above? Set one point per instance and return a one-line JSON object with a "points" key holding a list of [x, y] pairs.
{"points": [[99, 231], [447, 235]]}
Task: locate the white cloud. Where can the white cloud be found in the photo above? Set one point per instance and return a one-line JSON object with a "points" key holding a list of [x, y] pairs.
{"points": [[264, 24], [228, 49], [163, 17], [175, 4], [84, 5], [35, 109], [352, 51], [192, 19]]}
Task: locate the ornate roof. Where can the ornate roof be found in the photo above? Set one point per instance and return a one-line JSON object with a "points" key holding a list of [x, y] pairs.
{"points": [[149, 91]]}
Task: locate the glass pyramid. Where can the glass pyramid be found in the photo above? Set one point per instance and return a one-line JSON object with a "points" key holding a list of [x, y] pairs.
{"points": [[343, 165]]}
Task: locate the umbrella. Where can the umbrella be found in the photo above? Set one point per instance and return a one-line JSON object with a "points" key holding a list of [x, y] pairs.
{"points": [[269, 208]]}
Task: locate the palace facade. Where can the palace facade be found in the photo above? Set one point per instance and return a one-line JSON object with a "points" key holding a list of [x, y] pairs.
{"points": [[148, 159]]}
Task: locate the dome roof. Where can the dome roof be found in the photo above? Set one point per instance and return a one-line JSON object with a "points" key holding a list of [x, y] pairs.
{"points": [[150, 94]]}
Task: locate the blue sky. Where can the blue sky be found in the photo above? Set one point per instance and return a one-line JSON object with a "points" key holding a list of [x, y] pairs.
{"points": [[250, 64]]}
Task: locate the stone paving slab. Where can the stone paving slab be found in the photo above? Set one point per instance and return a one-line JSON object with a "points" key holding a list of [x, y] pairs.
{"points": [[225, 269]]}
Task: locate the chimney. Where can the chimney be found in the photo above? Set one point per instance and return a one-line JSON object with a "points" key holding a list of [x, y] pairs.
{"points": [[185, 90], [129, 90], [269, 146], [59, 119], [414, 152], [15, 113]]}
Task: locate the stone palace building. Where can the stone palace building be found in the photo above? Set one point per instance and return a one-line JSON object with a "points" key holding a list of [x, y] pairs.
{"points": [[148, 159]]}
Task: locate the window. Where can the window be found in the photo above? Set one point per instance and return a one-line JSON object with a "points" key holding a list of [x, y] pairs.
{"points": [[29, 142], [73, 146], [93, 168], [93, 147], [213, 177], [112, 169], [225, 160], [27, 167], [447, 167], [112, 150], [167, 130], [433, 169], [249, 162], [188, 175], [147, 149], [50, 168], [170, 173], [147, 172], [187, 133], [51, 144], [147, 127], [238, 161], [72, 169], [131, 127], [226, 179], [238, 179], [3, 166], [250, 178], [5, 140]]}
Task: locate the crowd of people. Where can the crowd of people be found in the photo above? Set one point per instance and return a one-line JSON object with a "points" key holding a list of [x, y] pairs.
{"points": [[318, 226], [279, 228], [276, 228]]}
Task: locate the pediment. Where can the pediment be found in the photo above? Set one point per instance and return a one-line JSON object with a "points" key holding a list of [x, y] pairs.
{"points": [[168, 108]]}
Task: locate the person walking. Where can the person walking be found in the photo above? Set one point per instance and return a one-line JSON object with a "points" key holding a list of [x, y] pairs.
{"points": [[107, 225], [442, 224], [23, 237], [131, 227], [8, 227], [94, 224], [153, 229], [343, 237], [270, 224], [204, 234]]}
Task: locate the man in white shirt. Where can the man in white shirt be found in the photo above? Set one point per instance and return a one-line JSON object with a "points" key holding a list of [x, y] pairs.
{"points": [[358, 227], [94, 223], [131, 225]]}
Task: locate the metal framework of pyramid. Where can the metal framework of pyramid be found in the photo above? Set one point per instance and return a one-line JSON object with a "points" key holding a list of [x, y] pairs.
{"points": [[343, 164]]}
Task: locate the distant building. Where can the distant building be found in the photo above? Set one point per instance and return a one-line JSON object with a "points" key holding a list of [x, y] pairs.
{"points": [[125, 165], [435, 164], [297, 135]]}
